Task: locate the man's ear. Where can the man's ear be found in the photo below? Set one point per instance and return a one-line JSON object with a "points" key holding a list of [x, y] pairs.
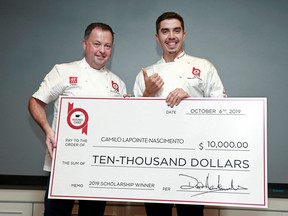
{"points": [[157, 38], [84, 44]]}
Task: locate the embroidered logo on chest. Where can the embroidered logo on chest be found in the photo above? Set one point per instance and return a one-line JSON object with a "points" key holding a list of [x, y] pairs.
{"points": [[196, 72], [115, 86], [73, 80]]}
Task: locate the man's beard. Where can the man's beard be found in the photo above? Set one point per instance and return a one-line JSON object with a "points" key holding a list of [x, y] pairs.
{"points": [[172, 52]]}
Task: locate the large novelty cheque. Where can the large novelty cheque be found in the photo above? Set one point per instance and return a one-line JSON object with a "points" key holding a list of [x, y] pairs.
{"points": [[203, 151]]}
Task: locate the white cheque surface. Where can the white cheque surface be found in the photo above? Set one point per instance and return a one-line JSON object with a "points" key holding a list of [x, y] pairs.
{"points": [[204, 151]]}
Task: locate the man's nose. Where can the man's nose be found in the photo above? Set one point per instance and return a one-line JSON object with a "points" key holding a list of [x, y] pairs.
{"points": [[171, 34], [102, 49]]}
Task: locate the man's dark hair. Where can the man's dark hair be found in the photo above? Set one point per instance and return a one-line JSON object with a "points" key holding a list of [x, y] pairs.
{"points": [[168, 15], [102, 26]]}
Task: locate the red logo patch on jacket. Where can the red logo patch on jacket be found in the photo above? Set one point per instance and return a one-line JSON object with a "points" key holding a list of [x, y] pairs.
{"points": [[73, 80], [115, 86], [196, 72]]}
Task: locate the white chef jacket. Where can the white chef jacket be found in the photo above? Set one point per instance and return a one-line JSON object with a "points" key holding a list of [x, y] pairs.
{"points": [[197, 76], [77, 79]]}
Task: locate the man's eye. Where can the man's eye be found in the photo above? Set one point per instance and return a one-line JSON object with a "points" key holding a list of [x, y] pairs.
{"points": [[107, 46], [165, 32], [178, 30], [97, 44]]}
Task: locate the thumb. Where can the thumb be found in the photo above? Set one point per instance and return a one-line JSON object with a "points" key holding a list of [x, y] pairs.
{"points": [[145, 75]]}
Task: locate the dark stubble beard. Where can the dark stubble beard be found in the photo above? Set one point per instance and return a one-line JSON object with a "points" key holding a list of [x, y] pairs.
{"points": [[172, 52]]}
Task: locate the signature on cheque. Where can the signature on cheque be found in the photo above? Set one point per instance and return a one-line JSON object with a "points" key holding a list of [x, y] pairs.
{"points": [[207, 187]]}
